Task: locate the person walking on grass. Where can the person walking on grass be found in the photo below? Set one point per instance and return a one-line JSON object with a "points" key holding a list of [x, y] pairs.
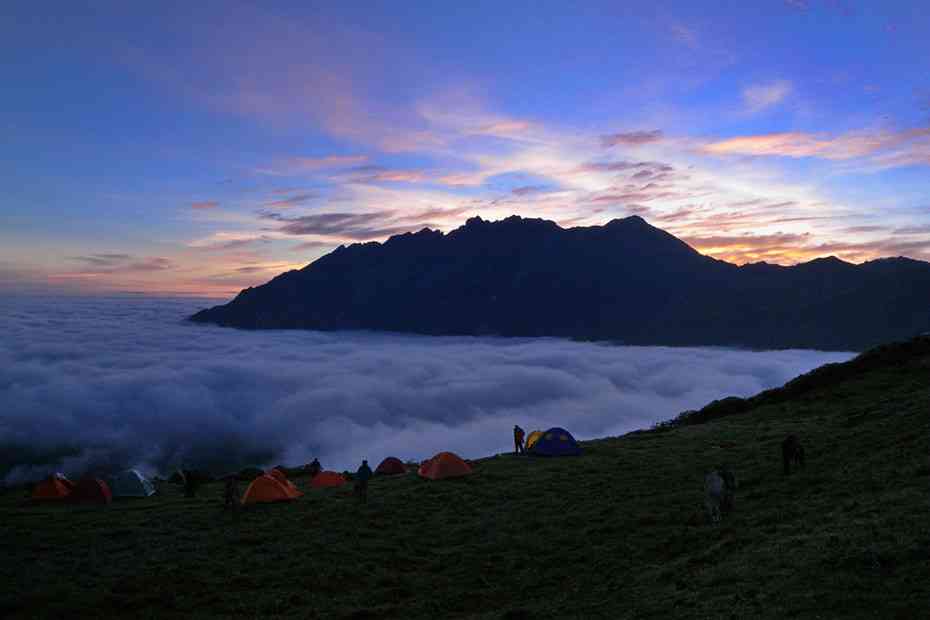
{"points": [[518, 440], [362, 476]]}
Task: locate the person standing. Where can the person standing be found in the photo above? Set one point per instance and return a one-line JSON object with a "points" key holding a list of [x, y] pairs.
{"points": [[518, 440], [231, 499], [362, 476]]}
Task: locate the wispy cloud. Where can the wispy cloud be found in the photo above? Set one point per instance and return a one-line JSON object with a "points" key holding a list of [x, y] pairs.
{"points": [[370, 225], [687, 35], [291, 201], [223, 242], [884, 148], [502, 128], [309, 246], [763, 96], [110, 263], [631, 138], [205, 204], [380, 174], [621, 166], [295, 166], [529, 190], [331, 161]]}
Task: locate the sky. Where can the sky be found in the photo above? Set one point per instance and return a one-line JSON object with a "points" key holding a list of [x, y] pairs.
{"points": [[199, 148]]}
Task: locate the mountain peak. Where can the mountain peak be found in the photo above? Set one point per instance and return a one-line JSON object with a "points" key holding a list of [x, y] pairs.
{"points": [[625, 280]]}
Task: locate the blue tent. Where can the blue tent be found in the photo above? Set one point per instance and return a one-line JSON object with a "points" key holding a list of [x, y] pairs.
{"points": [[556, 442]]}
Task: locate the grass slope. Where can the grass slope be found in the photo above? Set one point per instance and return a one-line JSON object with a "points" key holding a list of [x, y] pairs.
{"points": [[616, 533]]}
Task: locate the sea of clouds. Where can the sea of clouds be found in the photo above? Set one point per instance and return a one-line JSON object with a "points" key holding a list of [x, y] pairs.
{"points": [[101, 383]]}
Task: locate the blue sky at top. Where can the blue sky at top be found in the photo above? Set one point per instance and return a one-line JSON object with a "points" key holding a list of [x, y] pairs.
{"points": [[165, 147]]}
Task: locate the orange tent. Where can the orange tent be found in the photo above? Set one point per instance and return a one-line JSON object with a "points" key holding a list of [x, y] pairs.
{"points": [[327, 479], [390, 466], [91, 490], [267, 488], [53, 487], [444, 465], [278, 475]]}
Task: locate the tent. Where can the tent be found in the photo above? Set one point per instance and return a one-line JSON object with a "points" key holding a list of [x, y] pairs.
{"points": [[267, 488], [279, 475], [533, 438], [391, 466], [131, 483], [444, 465], [556, 442], [55, 486], [327, 479], [91, 490]]}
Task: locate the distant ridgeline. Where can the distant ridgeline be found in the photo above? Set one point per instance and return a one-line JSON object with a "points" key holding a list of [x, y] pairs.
{"points": [[625, 281]]}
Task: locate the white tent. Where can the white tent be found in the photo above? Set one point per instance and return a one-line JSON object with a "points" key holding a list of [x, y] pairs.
{"points": [[131, 483]]}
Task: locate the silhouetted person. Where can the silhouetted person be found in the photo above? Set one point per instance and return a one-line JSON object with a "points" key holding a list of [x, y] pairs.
{"points": [[719, 493], [792, 452], [362, 476], [713, 495], [231, 498], [518, 435], [314, 468], [729, 490], [191, 481]]}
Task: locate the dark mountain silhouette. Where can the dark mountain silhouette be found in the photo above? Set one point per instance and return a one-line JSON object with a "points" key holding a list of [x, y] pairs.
{"points": [[624, 281]]}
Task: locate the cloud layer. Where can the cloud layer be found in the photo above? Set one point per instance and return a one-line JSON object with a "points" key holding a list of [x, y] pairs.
{"points": [[104, 383]]}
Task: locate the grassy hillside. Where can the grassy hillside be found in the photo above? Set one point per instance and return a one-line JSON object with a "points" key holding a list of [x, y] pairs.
{"points": [[616, 533]]}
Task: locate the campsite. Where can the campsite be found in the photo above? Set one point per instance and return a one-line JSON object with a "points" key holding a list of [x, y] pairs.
{"points": [[507, 310], [616, 532]]}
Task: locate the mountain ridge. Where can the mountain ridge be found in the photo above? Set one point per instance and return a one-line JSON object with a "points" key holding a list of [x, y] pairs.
{"points": [[624, 281]]}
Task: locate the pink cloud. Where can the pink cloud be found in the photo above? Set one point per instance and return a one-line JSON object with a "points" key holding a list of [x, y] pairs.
{"points": [[462, 179], [887, 148], [205, 204], [392, 176], [503, 128]]}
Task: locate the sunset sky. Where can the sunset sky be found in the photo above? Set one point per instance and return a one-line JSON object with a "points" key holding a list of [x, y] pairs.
{"points": [[199, 148]]}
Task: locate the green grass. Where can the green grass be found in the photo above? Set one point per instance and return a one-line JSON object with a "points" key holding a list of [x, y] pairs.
{"points": [[616, 533]]}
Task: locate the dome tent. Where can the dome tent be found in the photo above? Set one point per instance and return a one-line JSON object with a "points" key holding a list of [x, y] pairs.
{"points": [[265, 489], [533, 438], [444, 465], [327, 479], [279, 475], [556, 442], [130, 483], [92, 491], [391, 466], [54, 487]]}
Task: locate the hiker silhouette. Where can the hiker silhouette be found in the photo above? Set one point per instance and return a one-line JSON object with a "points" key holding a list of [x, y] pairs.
{"points": [[362, 476], [518, 435]]}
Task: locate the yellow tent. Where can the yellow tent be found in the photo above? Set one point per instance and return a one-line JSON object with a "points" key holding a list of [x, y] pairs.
{"points": [[533, 438]]}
